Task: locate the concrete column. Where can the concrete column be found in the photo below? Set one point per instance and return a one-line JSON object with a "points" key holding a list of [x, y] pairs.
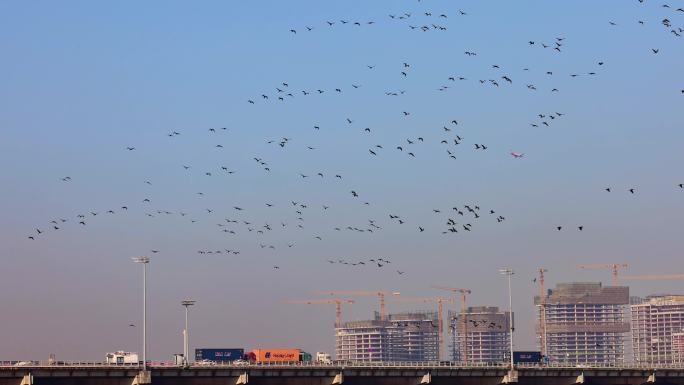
{"points": [[243, 379], [339, 378], [27, 379], [143, 377], [511, 377]]}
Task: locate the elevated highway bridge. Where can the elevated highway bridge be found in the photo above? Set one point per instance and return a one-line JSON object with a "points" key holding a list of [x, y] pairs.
{"points": [[30, 373]]}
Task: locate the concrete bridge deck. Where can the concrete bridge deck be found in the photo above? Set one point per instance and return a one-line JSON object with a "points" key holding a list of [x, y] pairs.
{"points": [[355, 374]]}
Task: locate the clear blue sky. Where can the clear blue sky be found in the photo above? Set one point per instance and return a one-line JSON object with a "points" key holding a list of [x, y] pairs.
{"points": [[81, 81]]}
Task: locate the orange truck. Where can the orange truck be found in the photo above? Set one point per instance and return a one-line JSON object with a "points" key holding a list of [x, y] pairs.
{"points": [[276, 355]]}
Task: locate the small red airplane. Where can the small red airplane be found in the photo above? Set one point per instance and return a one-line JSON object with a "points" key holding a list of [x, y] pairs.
{"points": [[517, 154]]}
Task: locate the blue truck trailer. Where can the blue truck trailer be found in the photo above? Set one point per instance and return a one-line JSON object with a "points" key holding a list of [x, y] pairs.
{"points": [[219, 355], [527, 357]]}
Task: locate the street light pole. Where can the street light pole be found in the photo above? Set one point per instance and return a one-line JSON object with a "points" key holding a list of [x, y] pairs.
{"points": [[186, 333], [512, 374], [144, 261]]}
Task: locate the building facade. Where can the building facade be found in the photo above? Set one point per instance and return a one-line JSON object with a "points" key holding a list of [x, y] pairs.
{"points": [[363, 341], [583, 323], [657, 324], [411, 336], [415, 336], [481, 335], [678, 348]]}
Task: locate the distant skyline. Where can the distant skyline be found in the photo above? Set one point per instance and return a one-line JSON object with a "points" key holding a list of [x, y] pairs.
{"points": [[84, 81]]}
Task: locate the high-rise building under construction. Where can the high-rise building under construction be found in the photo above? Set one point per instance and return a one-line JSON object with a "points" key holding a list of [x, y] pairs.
{"points": [[480, 335], [583, 323], [657, 325], [410, 336]]}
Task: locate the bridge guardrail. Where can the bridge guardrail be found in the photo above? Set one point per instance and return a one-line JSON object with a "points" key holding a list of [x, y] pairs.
{"points": [[336, 365]]}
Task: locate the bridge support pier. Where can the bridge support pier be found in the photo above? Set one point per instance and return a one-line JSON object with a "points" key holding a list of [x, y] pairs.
{"points": [[27, 379], [511, 377], [580, 379], [339, 378], [243, 379], [143, 377], [426, 379], [651, 378]]}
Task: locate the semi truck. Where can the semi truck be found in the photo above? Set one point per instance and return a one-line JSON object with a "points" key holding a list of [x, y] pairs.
{"points": [[530, 357], [275, 355], [219, 355]]}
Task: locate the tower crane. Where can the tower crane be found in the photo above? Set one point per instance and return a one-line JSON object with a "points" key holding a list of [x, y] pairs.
{"points": [[542, 310], [463, 292], [440, 312], [612, 266], [661, 277], [337, 301], [380, 294]]}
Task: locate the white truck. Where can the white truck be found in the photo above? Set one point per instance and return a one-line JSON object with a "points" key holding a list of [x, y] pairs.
{"points": [[120, 357], [323, 358]]}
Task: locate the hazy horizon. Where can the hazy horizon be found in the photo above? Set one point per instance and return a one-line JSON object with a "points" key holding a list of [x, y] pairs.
{"points": [[84, 81]]}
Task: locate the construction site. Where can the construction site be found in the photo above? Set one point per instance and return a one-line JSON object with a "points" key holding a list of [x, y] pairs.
{"points": [[657, 326], [578, 323], [408, 336], [480, 335], [584, 323]]}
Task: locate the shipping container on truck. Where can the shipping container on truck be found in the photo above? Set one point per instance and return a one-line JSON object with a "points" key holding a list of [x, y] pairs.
{"points": [[527, 357], [276, 355], [219, 355]]}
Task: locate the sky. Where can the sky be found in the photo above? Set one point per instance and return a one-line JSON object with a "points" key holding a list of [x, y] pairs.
{"points": [[82, 81]]}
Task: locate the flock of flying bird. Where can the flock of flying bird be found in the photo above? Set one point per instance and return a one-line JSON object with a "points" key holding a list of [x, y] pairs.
{"points": [[461, 218]]}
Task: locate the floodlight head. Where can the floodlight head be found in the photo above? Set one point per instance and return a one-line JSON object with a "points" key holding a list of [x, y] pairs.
{"points": [[141, 259], [188, 302]]}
